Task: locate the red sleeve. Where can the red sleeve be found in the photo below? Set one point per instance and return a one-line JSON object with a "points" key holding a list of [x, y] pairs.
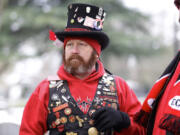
{"points": [[128, 103], [34, 120]]}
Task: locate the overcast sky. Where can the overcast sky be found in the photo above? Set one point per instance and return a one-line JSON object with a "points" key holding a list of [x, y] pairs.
{"points": [[152, 6], [163, 12]]}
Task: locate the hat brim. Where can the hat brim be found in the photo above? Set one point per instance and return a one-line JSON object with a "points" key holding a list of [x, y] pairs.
{"points": [[101, 37]]}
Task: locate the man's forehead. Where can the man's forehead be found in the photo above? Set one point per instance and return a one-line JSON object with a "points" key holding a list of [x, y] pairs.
{"points": [[177, 3], [76, 40]]}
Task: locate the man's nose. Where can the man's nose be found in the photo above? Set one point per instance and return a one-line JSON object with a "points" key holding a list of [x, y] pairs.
{"points": [[75, 49]]}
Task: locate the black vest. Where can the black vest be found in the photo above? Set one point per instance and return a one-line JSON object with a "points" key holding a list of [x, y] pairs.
{"points": [[66, 118]]}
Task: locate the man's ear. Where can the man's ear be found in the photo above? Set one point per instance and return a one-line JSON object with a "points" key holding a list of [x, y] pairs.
{"points": [[97, 57]]}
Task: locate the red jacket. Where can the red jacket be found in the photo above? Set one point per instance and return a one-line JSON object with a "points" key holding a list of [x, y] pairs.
{"points": [[34, 121]]}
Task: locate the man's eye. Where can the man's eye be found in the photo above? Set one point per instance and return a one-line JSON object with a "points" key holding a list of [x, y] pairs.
{"points": [[82, 44], [69, 44]]}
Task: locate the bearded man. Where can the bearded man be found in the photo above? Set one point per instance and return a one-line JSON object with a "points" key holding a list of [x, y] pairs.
{"points": [[83, 99]]}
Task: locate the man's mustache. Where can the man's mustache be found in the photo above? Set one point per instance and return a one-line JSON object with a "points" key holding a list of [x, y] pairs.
{"points": [[75, 56]]}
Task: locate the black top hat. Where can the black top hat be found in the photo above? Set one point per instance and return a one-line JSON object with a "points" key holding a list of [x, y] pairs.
{"points": [[86, 21]]}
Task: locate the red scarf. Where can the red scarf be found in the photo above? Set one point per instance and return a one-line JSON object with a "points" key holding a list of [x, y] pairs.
{"points": [[168, 82]]}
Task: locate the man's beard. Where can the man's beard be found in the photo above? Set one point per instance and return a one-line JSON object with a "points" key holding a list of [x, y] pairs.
{"points": [[75, 64]]}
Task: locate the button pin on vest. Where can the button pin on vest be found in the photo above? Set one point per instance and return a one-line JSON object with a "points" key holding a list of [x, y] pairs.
{"points": [[92, 131]]}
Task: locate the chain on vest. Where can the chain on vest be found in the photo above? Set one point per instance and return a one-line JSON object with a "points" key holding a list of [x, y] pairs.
{"points": [[66, 118]]}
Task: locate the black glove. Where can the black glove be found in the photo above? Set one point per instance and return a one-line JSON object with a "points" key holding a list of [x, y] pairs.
{"points": [[108, 118]]}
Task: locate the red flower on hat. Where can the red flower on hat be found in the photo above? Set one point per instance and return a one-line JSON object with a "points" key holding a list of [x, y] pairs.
{"points": [[52, 35]]}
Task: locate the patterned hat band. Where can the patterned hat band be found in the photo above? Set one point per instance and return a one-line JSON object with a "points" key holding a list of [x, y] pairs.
{"points": [[76, 29]]}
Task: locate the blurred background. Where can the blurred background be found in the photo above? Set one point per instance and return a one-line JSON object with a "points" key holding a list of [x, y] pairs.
{"points": [[144, 38]]}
